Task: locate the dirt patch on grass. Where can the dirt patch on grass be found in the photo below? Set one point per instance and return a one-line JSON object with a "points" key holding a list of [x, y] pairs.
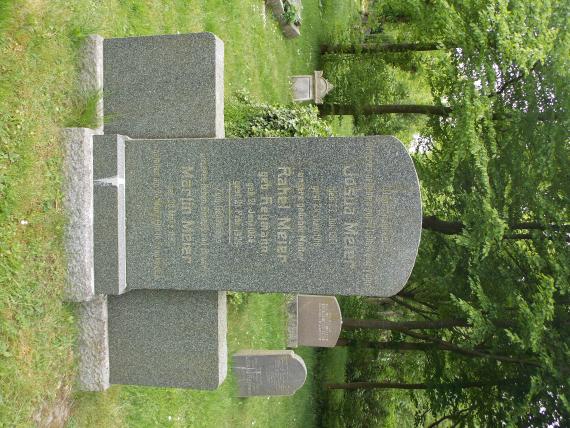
{"points": [[53, 414]]}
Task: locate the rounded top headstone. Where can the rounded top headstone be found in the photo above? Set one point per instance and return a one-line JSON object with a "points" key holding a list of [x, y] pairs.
{"points": [[326, 216], [318, 321], [269, 372]]}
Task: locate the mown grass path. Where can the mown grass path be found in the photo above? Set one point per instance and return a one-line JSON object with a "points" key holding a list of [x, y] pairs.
{"points": [[39, 41]]}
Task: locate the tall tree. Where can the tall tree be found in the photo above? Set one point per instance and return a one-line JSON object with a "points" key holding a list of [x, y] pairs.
{"points": [[492, 169]]}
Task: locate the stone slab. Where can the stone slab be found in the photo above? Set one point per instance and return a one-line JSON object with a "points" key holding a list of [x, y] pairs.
{"points": [[78, 206], [91, 75], [329, 216], [109, 214], [168, 338], [290, 30], [164, 86], [319, 321], [267, 373], [292, 310], [93, 345]]}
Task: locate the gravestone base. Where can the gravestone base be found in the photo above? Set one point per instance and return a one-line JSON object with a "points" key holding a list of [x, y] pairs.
{"points": [[78, 206], [93, 345], [291, 306]]}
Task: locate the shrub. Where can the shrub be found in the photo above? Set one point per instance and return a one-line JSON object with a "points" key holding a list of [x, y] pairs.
{"points": [[248, 118]]}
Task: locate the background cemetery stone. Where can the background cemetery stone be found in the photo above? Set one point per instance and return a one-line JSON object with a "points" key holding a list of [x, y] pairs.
{"points": [[263, 372], [318, 321], [290, 30], [310, 87]]}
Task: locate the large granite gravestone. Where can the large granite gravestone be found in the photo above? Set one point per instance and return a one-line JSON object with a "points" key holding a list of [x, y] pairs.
{"points": [[295, 215], [265, 372], [314, 321], [155, 87]]}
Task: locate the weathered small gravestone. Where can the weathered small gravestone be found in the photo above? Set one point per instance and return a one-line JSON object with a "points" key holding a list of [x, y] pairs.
{"points": [[310, 88], [314, 321], [268, 372]]}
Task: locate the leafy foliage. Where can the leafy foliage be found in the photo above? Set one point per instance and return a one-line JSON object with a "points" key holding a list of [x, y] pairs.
{"points": [[495, 166], [290, 13], [248, 118]]}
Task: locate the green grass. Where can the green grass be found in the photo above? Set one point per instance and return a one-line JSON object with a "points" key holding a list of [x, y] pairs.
{"points": [[342, 126], [39, 41], [331, 368]]}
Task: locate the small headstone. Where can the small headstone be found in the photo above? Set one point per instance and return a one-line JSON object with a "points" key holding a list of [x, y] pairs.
{"points": [[310, 87], [269, 372], [318, 321]]}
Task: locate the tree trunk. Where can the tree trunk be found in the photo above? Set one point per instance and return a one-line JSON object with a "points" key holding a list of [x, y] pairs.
{"points": [[396, 385], [441, 226], [456, 227], [435, 224], [451, 416], [383, 48], [433, 343], [398, 19], [353, 324], [448, 346], [346, 109], [443, 111], [391, 346]]}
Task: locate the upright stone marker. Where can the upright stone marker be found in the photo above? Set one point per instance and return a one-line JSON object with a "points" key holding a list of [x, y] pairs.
{"points": [[269, 372], [314, 321], [332, 216]]}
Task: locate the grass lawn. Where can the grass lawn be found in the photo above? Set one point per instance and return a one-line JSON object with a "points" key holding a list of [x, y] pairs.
{"points": [[331, 368], [39, 40]]}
